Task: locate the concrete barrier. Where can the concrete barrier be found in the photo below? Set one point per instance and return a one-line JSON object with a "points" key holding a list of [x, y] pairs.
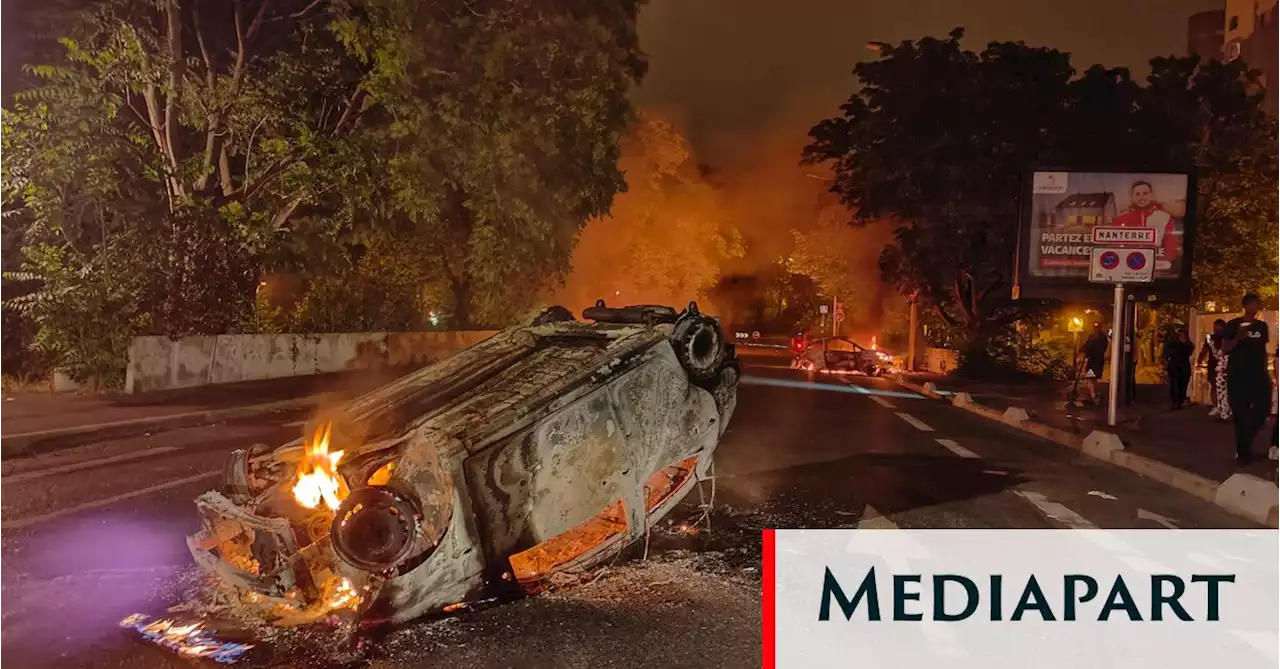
{"points": [[1248, 496], [1101, 445], [1015, 416], [160, 363]]}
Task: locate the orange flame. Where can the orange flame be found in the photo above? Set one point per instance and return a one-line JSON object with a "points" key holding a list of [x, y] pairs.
{"points": [[318, 479]]}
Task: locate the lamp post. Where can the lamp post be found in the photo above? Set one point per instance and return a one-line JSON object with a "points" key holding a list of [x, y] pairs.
{"points": [[1075, 326]]}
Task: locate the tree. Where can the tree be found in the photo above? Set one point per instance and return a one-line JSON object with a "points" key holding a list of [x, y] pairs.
{"points": [[513, 112], [379, 149], [160, 161], [667, 238], [934, 142], [842, 261], [936, 138]]}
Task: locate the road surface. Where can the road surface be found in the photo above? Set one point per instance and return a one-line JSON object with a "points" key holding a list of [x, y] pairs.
{"points": [[95, 533]]}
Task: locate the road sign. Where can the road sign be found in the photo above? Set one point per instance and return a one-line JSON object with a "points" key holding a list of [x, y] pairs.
{"points": [[1121, 265], [822, 308], [1113, 236], [755, 334], [839, 317]]}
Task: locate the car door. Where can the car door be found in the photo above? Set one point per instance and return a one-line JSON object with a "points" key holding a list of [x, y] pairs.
{"points": [[841, 354]]}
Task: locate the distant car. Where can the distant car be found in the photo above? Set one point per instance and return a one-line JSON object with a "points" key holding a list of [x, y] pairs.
{"points": [[837, 354]]}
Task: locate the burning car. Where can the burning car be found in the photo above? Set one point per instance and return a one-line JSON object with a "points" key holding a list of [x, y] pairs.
{"points": [[545, 449], [841, 356]]}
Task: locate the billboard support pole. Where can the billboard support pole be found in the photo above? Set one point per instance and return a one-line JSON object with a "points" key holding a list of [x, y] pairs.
{"points": [[1117, 329]]}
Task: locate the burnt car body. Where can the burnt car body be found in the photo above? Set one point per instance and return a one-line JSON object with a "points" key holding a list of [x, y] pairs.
{"points": [[544, 449], [841, 355]]}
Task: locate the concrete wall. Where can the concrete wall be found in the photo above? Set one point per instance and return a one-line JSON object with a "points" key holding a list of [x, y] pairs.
{"points": [[159, 363]]}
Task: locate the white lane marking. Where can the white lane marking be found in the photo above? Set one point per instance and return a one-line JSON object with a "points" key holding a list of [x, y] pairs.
{"points": [[957, 448], [106, 501], [941, 637], [85, 464], [1055, 511], [914, 422], [1170, 523], [296, 423], [1103, 495], [882, 401]]}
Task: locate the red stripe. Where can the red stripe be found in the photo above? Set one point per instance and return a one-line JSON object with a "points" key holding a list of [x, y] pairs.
{"points": [[768, 630]]}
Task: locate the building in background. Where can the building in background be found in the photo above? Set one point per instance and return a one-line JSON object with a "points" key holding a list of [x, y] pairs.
{"points": [[1204, 34], [1251, 33]]}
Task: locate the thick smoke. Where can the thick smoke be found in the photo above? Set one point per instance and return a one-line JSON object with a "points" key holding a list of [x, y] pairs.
{"points": [[724, 234]]}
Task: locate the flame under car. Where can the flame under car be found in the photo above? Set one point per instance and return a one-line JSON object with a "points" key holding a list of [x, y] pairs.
{"points": [[544, 449]]}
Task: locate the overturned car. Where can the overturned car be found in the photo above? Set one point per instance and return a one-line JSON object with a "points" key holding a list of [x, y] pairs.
{"points": [[545, 449]]}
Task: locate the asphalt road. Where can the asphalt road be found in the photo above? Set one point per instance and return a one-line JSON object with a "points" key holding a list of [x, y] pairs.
{"points": [[95, 533]]}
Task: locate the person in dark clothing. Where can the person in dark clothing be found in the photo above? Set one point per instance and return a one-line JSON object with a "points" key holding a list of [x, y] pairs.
{"points": [[1177, 365], [1248, 384], [1095, 354]]}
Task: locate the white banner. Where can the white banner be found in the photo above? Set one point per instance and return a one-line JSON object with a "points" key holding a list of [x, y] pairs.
{"points": [[1088, 599]]}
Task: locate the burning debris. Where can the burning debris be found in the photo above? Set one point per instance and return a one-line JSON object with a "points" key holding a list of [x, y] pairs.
{"points": [[539, 452], [192, 639]]}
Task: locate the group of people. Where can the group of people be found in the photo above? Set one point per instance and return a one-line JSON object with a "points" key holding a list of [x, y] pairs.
{"points": [[1235, 357]]}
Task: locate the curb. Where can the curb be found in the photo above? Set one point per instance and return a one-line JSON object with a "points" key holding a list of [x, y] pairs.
{"points": [[29, 443], [1242, 495]]}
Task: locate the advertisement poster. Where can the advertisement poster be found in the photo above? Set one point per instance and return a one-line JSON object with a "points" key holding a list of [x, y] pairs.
{"points": [[1067, 206]]}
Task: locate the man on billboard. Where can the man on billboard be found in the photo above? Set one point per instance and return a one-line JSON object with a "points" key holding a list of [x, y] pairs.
{"points": [[1145, 212]]}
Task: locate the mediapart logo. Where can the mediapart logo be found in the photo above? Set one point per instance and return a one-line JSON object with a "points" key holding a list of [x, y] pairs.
{"points": [[1071, 597], [1052, 599]]}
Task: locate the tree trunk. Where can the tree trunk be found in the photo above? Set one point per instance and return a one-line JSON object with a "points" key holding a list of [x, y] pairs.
{"points": [[461, 304]]}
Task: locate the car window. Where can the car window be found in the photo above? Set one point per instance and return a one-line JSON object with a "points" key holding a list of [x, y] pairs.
{"points": [[842, 345]]}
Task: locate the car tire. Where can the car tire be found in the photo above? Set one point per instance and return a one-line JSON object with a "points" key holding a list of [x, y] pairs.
{"points": [[699, 344]]}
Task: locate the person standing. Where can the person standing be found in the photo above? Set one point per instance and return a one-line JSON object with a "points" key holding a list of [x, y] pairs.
{"points": [[1208, 357], [1224, 395], [1248, 383], [1095, 355], [1177, 365]]}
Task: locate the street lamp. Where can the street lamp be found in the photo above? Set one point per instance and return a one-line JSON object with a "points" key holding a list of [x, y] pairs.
{"points": [[1075, 326]]}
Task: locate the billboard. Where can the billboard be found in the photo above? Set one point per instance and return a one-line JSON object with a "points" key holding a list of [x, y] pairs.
{"points": [[1067, 213]]}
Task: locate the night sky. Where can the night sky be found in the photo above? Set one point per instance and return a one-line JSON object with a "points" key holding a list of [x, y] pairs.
{"points": [[731, 69]]}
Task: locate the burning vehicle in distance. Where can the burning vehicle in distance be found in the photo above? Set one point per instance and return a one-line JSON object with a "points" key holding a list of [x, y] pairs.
{"points": [[545, 449], [838, 355]]}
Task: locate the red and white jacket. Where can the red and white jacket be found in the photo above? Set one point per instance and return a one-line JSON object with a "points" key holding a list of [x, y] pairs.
{"points": [[1152, 217]]}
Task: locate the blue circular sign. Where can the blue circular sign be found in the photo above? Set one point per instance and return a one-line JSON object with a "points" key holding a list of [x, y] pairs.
{"points": [[1109, 260], [1136, 261]]}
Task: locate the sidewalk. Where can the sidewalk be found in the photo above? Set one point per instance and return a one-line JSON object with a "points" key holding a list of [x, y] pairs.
{"points": [[1187, 438], [34, 416]]}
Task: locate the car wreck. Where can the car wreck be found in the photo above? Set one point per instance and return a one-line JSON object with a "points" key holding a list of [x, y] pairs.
{"points": [[544, 449]]}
